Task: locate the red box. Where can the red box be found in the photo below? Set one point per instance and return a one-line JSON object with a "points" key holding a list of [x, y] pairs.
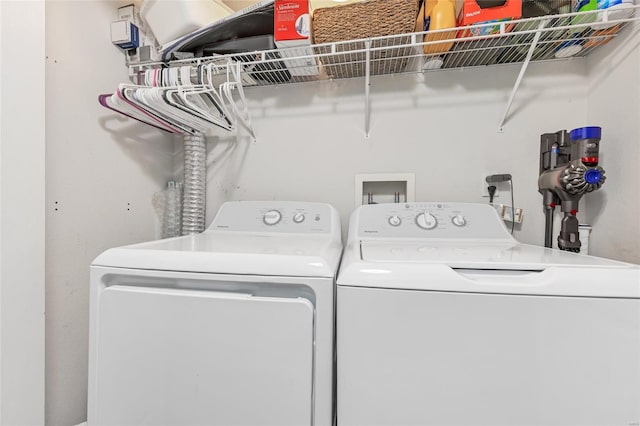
{"points": [[292, 35], [291, 20], [472, 13]]}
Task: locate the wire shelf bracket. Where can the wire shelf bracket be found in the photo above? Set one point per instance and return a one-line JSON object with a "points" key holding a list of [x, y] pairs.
{"points": [[523, 70], [367, 89]]}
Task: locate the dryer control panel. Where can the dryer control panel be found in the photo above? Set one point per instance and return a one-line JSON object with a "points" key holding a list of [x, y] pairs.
{"points": [[430, 220], [275, 216]]}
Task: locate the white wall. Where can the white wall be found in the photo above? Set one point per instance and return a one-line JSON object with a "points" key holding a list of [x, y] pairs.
{"points": [[441, 126], [102, 172], [22, 258], [614, 103]]}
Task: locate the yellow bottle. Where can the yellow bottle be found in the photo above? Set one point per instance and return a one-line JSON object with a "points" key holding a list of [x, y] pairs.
{"points": [[423, 14], [441, 15]]}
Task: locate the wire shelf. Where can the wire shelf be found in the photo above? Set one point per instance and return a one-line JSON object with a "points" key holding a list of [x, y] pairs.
{"points": [[545, 38], [560, 37]]}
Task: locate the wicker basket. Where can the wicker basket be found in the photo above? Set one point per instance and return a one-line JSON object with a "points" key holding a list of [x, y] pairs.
{"points": [[370, 18]]}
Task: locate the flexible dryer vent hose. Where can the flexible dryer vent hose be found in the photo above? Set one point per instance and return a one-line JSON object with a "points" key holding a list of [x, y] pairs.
{"points": [[195, 176]]}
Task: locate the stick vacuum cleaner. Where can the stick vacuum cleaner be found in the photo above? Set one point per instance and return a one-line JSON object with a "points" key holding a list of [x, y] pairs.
{"points": [[568, 170]]}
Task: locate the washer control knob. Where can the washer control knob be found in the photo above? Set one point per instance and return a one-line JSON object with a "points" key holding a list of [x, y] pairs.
{"points": [[426, 221], [394, 220], [272, 217], [298, 217], [459, 220]]}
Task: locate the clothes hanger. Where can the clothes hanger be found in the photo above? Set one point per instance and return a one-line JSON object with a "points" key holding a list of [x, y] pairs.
{"points": [[138, 96], [205, 99], [105, 101], [186, 99], [198, 101], [121, 100], [176, 97], [240, 113], [154, 98]]}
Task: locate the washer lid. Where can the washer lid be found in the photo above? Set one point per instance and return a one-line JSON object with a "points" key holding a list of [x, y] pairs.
{"points": [[232, 253], [486, 268], [501, 255]]}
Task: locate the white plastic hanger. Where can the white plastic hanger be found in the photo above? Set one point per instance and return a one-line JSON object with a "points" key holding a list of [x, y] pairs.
{"points": [[123, 98], [172, 100], [124, 107], [146, 98], [241, 113], [155, 98], [197, 100]]}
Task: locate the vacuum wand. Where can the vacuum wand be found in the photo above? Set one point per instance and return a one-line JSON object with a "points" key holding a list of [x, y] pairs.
{"points": [[568, 170]]}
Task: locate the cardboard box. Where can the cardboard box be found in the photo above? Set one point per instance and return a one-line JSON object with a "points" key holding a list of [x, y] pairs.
{"points": [[486, 11], [475, 11], [291, 20], [128, 13], [125, 35], [142, 54], [292, 32]]}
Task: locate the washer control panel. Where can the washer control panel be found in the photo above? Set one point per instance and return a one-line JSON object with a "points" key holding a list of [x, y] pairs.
{"points": [[430, 220], [274, 216]]}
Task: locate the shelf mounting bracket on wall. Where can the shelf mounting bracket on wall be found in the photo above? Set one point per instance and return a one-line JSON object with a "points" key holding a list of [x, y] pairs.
{"points": [[367, 88], [523, 70]]}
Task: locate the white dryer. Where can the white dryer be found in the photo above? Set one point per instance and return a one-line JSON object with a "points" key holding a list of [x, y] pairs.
{"points": [[444, 319], [233, 326]]}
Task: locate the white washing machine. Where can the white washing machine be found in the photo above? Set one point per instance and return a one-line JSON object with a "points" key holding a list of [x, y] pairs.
{"points": [[233, 326], [444, 319]]}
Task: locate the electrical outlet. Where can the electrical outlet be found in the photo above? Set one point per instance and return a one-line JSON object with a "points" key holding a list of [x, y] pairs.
{"points": [[485, 185]]}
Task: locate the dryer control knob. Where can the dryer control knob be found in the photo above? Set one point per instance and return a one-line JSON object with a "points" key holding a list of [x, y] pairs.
{"points": [[426, 221], [298, 217], [459, 220], [272, 217], [394, 221]]}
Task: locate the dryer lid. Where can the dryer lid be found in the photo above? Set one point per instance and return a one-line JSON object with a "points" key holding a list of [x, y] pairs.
{"points": [[232, 253]]}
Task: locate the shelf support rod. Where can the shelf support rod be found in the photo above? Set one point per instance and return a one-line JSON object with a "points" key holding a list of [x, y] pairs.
{"points": [[367, 88], [523, 70]]}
